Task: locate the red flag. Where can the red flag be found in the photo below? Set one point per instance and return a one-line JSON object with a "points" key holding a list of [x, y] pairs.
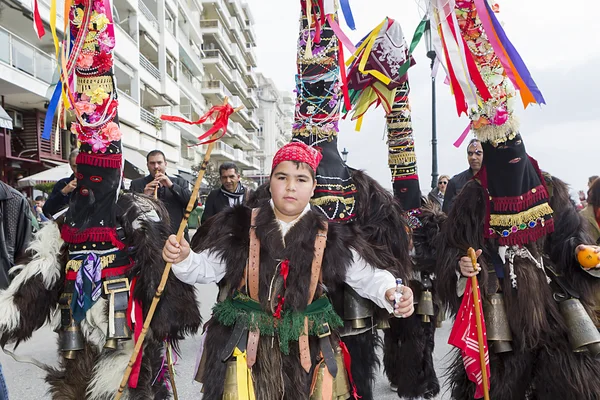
{"points": [[464, 337]]}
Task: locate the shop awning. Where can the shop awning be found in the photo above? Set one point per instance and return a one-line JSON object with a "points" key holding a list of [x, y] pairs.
{"points": [[135, 164], [50, 175], [5, 119]]}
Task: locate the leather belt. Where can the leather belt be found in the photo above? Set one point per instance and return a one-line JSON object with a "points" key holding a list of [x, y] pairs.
{"points": [[235, 339], [326, 349]]}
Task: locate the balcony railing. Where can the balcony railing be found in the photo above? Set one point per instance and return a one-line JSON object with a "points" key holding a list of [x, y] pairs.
{"points": [[148, 117], [216, 85], [25, 57], [225, 148], [148, 14], [148, 66]]}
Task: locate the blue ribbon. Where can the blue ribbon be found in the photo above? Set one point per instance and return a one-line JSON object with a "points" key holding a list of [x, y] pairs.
{"points": [[48, 122], [347, 14]]}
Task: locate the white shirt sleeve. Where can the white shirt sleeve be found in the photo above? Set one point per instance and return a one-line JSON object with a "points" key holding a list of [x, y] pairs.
{"points": [[204, 267], [369, 282]]}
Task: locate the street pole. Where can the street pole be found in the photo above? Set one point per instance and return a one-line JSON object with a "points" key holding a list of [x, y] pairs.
{"points": [[434, 160]]}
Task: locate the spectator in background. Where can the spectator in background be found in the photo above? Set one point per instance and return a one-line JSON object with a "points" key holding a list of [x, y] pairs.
{"points": [[582, 197], [61, 193], [231, 192], [38, 209], [455, 185], [15, 233], [173, 192], [437, 194], [591, 213]]}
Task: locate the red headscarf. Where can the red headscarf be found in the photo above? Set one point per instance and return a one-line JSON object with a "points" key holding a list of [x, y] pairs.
{"points": [[298, 151]]}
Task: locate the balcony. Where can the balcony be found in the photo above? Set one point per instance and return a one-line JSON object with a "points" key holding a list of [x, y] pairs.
{"points": [[238, 81], [236, 56], [150, 124], [253, 119], [215, 91], [250, 78], [254, 141], [148, 23], [251, 55], [249, 32], [216, 60], [214, 27], [223, 151], [149, 67], [251, 98], [25, 57]]}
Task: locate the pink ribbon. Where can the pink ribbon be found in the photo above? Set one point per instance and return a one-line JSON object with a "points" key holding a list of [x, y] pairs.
{"points": [[463, 136], [340, 34]]}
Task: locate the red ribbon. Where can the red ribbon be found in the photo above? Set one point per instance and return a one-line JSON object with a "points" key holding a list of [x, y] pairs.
{"points": [[137, 329], [38, 25], [348, 366], [221, 119], [284, 270]]}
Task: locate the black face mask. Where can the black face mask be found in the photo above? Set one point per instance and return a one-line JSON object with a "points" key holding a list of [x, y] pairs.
{"points": [[510, 172], [408, 193], [518, 210]]}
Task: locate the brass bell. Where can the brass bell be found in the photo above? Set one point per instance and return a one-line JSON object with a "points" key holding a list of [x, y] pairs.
{"points": [[425, 306], [230, 391], [583, 335], [71, 339], [498, 331], [383, 323], [357, 309], [341, 386], [111, 344]]}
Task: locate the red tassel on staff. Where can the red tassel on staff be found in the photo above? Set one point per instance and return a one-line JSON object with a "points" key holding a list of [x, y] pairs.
{"points": [[220, 114]]}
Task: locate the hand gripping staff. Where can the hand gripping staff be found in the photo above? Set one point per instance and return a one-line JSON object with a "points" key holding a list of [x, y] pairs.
{"points": [[222, 115]]}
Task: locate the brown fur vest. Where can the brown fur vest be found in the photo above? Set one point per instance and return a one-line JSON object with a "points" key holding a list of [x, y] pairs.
{"points": [[274, 373]]}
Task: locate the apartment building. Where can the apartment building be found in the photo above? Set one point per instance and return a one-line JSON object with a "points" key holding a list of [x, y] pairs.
{"points": [[275, 115], [175, 57]]}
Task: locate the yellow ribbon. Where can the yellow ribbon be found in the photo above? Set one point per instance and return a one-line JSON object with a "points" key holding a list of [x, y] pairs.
{"points": [[245, 385], [368, 44]]}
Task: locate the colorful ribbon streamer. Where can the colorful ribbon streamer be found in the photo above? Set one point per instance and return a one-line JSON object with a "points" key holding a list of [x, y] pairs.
{"points": [[245, 386], [348, 17]]}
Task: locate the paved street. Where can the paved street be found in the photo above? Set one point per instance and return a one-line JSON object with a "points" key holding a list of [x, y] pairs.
{"points": [[25, 381]]}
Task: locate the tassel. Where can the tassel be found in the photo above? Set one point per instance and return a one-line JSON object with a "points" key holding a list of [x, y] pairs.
{"points": [[74, 235], [105, 161]]}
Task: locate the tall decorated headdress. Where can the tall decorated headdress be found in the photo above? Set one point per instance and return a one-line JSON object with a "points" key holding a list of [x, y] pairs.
{"points": [[402, 158], [485, 72], [377, 75], [98, 263], [318, 105]]}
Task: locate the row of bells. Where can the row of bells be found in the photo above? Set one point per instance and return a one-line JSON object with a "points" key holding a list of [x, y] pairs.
{"points": [[71, 339], [583, 334]]}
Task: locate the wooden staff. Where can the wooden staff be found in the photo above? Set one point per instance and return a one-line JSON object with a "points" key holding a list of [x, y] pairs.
{"points": [[171, 370], [165, 275], [480, 339]]}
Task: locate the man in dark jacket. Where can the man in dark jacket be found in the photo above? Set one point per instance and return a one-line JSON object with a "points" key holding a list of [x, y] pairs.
{"points": [[15, 233], [231, 192], [61, 193], [455, 185], [173, 192]]}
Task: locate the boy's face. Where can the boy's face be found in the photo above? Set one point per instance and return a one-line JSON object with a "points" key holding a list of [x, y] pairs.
{"points": [[291, 189]]}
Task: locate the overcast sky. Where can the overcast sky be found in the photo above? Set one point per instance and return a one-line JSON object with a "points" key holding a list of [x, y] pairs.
{"points": [[557, 41]]}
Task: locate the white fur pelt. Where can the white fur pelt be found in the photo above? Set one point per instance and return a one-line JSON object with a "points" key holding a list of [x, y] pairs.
{"points": [[45, 248], [108, 372]]}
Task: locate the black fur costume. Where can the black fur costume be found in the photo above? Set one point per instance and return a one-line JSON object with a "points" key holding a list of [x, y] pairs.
{"points": [[409, 343], [542, 364], [96, 372], [275, 374]]}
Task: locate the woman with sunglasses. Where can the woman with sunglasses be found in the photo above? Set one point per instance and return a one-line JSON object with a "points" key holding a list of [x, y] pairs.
{"points": [[436, 196]]}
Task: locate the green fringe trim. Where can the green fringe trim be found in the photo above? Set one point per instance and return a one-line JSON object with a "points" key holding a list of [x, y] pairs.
{"points": [[289, 328]]}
